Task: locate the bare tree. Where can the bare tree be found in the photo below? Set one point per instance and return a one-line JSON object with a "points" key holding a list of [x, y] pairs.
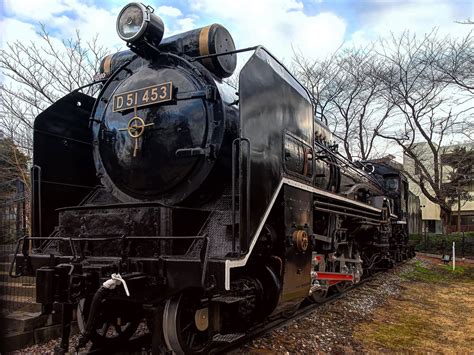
{"points": [[468, 21], [318, 76], [13, 167], [457, 62], [13, 162], [429, 110], [36, 75], [460, 161], [457, 68], [361, 110], [347, 94]]}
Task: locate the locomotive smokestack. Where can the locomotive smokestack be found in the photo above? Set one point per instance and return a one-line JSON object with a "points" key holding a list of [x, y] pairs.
{"points": [[140, 27]]}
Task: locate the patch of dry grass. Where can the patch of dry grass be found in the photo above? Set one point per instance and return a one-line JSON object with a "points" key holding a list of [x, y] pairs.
{"points": [[434, 313]]}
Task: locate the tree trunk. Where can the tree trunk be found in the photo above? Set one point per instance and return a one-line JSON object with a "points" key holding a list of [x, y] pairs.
{"points": [[445, 215], [459, 213]]}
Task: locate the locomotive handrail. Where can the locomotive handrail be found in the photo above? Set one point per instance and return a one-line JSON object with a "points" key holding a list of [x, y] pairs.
{"points": [[247, 188], [248, 49], [238, 142], [106, 84], [235, 51], [36, 200], [47, 243], [10, 271], [90, 238], [204, 258], [346, 208], [123, 205], [366, 219], [234, 144], [350, 164], [100, 81]]}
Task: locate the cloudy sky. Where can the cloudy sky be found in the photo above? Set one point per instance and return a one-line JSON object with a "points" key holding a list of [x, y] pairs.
{"points": [[312, 27]]}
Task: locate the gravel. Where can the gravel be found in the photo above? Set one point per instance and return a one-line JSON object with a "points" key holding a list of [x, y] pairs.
{"points": [[327, 329]]}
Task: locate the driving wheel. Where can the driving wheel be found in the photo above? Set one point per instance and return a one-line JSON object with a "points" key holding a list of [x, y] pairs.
{"points": [[186, 324]]}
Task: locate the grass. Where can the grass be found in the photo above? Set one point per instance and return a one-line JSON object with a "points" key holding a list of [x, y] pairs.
{"points": [[439, 273], [422, 273], [434, 313], [401, 335]]}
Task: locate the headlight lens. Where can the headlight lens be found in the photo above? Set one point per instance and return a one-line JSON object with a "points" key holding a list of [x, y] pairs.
{"points": [[130, 22], [140, 27]]}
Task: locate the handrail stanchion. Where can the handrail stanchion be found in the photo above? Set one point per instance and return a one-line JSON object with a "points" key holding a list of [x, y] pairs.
{"points": [[235, 142]]}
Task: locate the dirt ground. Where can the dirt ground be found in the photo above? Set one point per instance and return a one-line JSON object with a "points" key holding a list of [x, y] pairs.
{"points": [[420, 307], [434, 312]]}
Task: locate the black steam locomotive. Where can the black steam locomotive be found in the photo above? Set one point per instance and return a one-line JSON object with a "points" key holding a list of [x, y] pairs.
{"points": [[173, 198]]}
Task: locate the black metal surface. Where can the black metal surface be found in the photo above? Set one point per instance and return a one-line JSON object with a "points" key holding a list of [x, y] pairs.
{"points": [[162, 169], [165, 217], [210, 40], [112, 62], [150, 230], [62, 149], [66, 319], [396, 187], [45, 281], [271, 101], [298, 215]]}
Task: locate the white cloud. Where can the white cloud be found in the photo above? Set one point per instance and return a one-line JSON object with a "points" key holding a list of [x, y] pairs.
{"points": [[185, 24], [279, 25], [62, 18], [419, 17], [14, 30], [40, 10], [168, 11]]}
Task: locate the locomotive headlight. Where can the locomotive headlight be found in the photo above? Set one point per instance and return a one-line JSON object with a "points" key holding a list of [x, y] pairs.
{"points": [[137, 22]]}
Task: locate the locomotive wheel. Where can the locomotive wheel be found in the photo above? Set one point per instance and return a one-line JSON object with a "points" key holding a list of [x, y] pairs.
{"points": [[319, 296], [109, 330], [342, 286], [185, 325]]}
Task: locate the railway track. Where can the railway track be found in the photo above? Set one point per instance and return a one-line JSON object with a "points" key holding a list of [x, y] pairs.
{"points": [[140, 345], [280, 322]]}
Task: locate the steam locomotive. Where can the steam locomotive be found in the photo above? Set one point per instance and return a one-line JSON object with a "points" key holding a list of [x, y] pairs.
{"points": [[173, 198]]}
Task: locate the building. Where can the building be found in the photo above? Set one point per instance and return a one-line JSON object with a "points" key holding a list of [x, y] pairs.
{"points": [[430, 212]]}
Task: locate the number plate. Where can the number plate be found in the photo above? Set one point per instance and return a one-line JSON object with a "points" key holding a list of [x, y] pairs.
{"points": [[143, 97]]}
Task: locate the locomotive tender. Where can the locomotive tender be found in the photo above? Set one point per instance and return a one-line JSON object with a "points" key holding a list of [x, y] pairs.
{"points": [[172, 198]]}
